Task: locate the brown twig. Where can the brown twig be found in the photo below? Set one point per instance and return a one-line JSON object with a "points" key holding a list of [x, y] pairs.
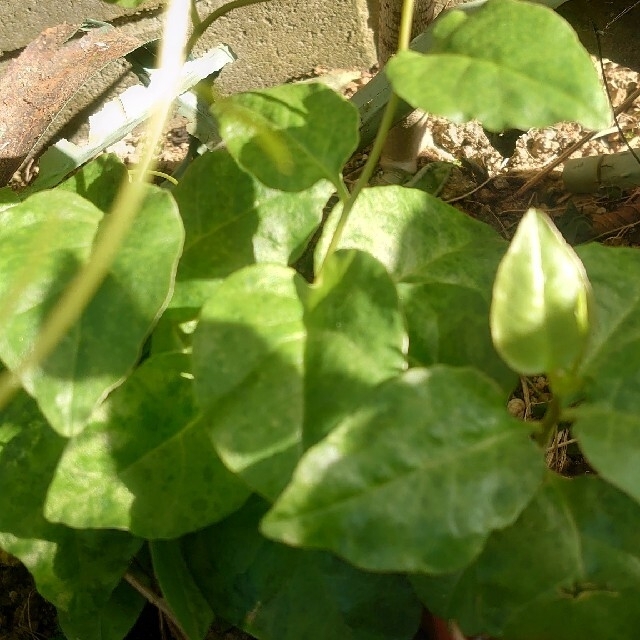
{"points": [[157, 601], [527, 397], [574, 147]]}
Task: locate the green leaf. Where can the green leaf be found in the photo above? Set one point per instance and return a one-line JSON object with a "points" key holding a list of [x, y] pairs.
{"points": [[232, 220], [75, 570], [607, 424], [43, 242], [291, 136], [274, 592], [446, 263], [174, 331], [355, 339], [611, 272], [111, 622], [179, 589], [541, 303], [8, 198], [98, 181], [247, 361], [449, 324], [568, 569], [419, 238], [609, 437], [416, 479], [510, 65], [28, 457], [146, 462]]}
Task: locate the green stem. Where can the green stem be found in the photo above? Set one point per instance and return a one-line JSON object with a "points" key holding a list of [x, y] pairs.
{"points": [[349, 199], [203, 25], [195, 16], [548, 422], [406, 20]]}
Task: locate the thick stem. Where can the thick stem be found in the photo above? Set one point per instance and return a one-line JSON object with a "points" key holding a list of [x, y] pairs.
{"points": [[203, 25]]}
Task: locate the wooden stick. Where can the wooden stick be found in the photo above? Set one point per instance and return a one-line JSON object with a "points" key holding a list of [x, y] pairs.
{"points": [[574, 147]]}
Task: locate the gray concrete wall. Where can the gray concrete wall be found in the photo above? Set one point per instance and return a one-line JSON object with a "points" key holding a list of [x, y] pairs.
{"points": [[274, 40], [22, 20]]}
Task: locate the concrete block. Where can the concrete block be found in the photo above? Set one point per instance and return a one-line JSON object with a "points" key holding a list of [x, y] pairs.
{"points": [[274, 40], [22, 20], [281, 39]]}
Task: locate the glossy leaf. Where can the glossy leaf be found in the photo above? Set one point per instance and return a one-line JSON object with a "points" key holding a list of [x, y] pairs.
{"points": [[355, 339], [416, 479], [179, 589], [274, 592], [576, 553], [541, 303], [232, 220], [75, 570], [446, 263], [247, 362], [510, 65], [145, 463], [43, 242], [291, 136]]}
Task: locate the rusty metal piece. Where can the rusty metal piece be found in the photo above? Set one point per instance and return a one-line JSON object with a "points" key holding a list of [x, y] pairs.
{"points": [[42, 79]]}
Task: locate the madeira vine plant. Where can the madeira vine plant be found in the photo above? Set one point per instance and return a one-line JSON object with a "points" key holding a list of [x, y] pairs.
{"points": [[321, 458]]}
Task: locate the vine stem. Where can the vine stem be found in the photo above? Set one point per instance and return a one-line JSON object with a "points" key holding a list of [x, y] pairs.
{"points": [[127, 204], [548, 422], [349, 199], [201, 26]]}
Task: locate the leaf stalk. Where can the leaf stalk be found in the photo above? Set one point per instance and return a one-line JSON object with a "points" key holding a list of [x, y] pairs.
{"points": [[200, 26], [349, 199]]}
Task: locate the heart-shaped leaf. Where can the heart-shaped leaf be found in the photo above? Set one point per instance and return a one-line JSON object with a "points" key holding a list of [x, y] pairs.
{"points": [[248, 366], [415, 465], [43, 242], [510, 65], [355, 339], [445, 263], [76, 570], [231, 220], [290, 136], [275, 592], [576, 551], [145, 463]]}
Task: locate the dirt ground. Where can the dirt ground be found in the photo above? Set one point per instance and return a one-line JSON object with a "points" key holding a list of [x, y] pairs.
{"points": [[484, 185]]}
